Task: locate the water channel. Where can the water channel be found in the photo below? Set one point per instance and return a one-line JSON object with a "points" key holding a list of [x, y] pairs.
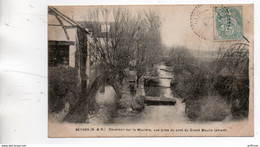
{"points": [[151, 114]]}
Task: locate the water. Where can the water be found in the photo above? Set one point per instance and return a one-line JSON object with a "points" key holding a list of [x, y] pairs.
{"points": [[159, 114], [151, 114], [107, 106]]}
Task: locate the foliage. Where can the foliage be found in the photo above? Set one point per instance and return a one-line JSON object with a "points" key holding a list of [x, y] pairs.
{"points": [[180, 59], [223, 81], [63, 87], [139, 103], [136, 103], [210, 108], [79, 113], [233, 84]]}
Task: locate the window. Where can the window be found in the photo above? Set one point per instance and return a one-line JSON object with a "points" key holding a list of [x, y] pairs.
{"points": [[58, 55]]}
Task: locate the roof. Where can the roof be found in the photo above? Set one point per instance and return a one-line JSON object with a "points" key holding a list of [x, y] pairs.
{"points": [[64, 22]]}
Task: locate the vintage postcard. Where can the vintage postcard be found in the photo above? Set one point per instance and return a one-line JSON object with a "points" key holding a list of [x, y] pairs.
{"points": [[154, 70]]}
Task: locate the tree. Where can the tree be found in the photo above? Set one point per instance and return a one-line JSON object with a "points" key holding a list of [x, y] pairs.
{"points": [[150, 44], [122, 37], [181, 60]]}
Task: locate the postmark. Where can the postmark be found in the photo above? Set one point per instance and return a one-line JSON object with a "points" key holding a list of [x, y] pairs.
{"points": [[201, 22], [228, 23]]}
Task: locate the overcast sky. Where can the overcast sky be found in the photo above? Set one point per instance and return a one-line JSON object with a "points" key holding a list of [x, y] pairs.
{"points": [[175, 30]]}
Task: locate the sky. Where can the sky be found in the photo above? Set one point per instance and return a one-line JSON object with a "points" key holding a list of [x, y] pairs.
{"points": [[176, 27]]}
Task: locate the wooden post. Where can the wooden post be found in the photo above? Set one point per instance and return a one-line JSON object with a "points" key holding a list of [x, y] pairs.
{"points": [[72, 56], [81, 43]]}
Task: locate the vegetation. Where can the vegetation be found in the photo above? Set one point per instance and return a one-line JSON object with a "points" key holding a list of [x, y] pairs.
{"points": [[213, 90], [63, 87], [130, 47], [131, 42]]}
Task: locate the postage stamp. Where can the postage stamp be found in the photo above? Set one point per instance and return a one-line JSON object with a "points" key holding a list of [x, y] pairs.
{"points": [[228, 23]]}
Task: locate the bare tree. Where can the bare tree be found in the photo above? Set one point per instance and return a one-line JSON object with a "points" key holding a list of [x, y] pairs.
{"points": [[122, 37], [149, 45]]}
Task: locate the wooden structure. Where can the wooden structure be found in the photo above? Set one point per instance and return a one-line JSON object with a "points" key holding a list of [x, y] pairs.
{"points": [[159, 101], [68, 40]]}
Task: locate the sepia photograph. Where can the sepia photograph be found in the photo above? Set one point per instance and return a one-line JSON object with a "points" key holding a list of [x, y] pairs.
{"points": [[150, 70]]}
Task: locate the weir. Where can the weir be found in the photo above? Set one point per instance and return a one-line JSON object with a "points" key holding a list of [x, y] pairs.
{"points": [[157, 89], [159, 101]]}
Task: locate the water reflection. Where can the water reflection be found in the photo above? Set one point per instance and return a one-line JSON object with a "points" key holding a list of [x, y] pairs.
{"points": [[151, 114], [158, 114], [159, 86]]}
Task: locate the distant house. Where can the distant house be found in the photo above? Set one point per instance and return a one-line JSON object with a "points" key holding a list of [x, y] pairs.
{"points": [[99, 29]]}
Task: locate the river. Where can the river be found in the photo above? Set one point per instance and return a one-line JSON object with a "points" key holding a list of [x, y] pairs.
{"points": [[151, 114]]}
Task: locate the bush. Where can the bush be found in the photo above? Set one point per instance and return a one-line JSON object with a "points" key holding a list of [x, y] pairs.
{"points": [[232, 82], [86, 104], [132, 103], [214, 108], [193, 85], [210, 108], [168, 61], [63, 87], [223, 80], [236, 92], [138, 103], [152, 72]]}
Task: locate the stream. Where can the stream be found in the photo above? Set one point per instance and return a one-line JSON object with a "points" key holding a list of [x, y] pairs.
{"points": [[151, 114]]}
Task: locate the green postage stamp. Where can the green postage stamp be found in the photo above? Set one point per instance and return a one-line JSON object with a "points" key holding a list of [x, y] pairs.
{"points": [[228, 23]]}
